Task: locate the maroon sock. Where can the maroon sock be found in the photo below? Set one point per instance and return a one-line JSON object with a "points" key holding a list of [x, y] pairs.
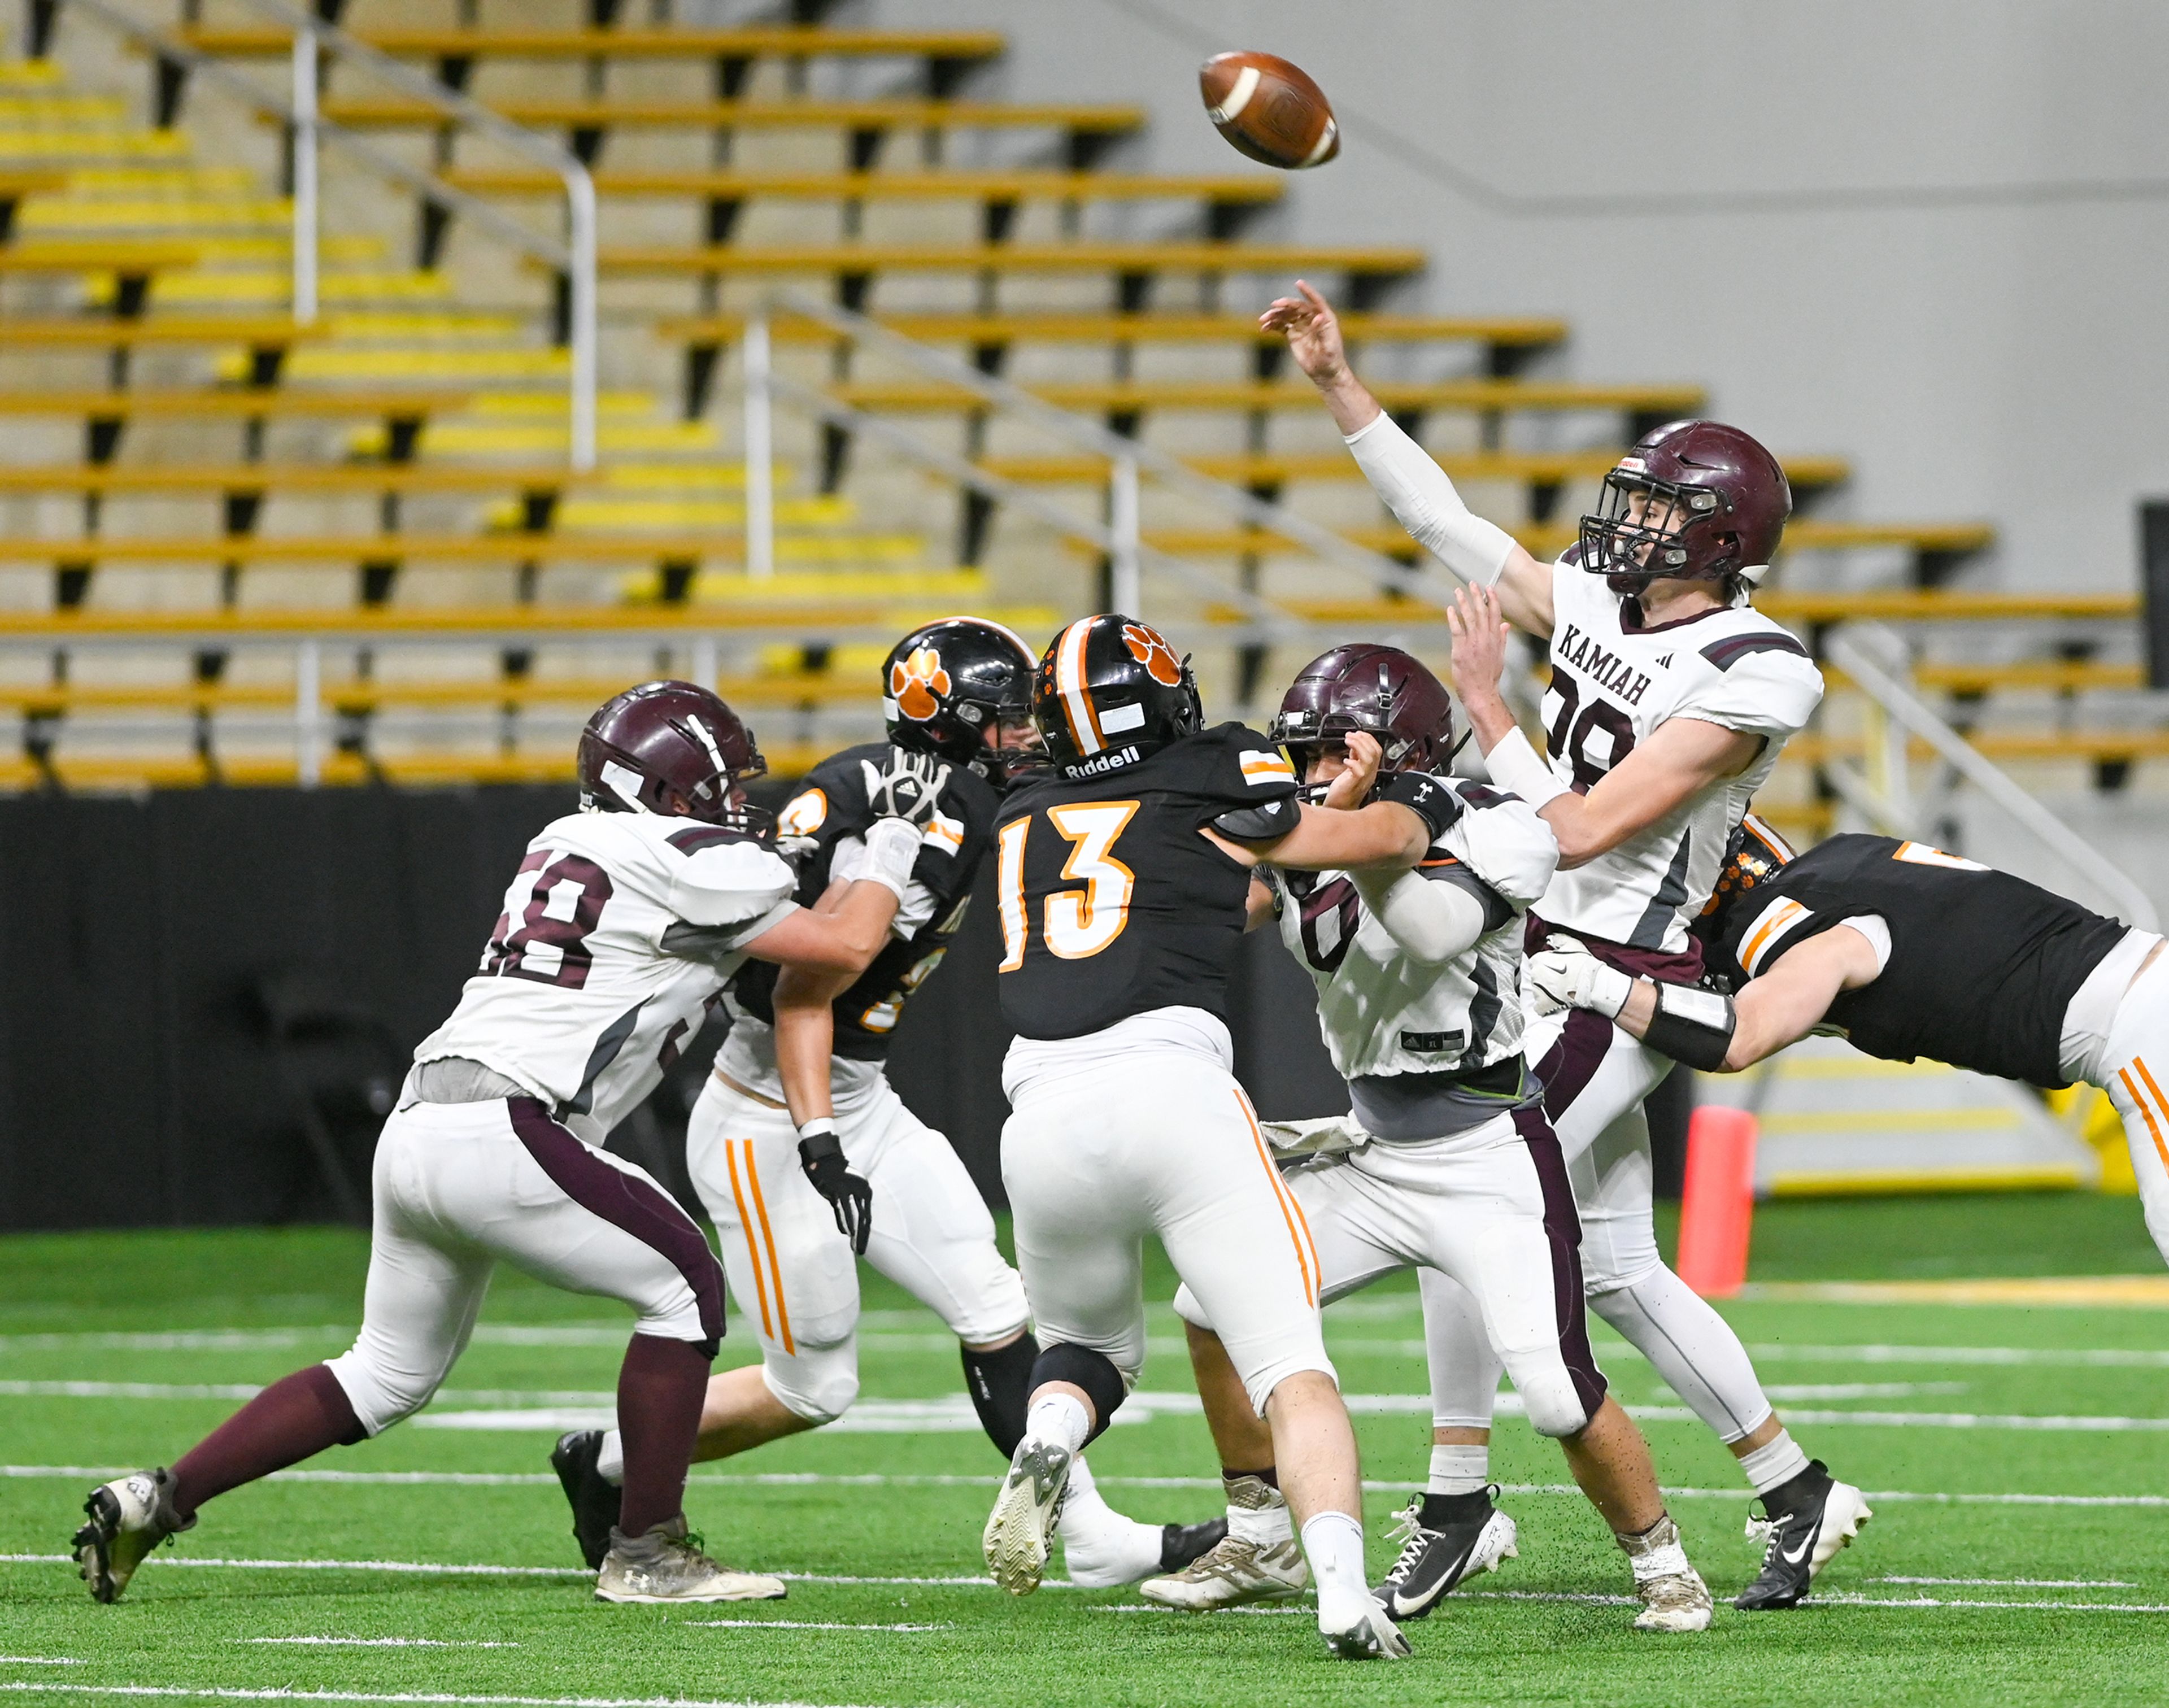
{"points": [[660, 1390], [295, 1416]]}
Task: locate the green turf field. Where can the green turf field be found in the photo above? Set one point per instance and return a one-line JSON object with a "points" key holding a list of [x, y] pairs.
{"points": [[2018, 1457]]}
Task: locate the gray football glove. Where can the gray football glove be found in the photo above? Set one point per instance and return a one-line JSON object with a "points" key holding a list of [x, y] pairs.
{"points": [[908, 786]]}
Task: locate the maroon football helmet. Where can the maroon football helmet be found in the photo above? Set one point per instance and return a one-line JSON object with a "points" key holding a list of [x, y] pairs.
{"points": [[671, 748], [1380, 690], [1694, 499]]}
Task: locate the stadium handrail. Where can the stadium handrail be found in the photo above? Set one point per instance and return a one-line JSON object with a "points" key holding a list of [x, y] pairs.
{"points": [[573, 260], [1853, 649]]}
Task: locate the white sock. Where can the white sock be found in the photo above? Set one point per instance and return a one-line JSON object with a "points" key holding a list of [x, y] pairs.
{"points": [[610, 1465], [1333, 1542], [1459, 1470], [1774, 1462], [1060, 1419], [1085, 1512]]}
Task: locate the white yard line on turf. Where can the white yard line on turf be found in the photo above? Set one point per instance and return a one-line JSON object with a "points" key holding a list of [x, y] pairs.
{"points": [[514, 1409], [429, 1568], [800, 1625], [239, 1694], [2015, 1582], [877, 1479], [376, 1642], [39, 1661]]}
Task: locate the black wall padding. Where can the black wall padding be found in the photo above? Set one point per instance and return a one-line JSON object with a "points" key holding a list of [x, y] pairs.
{"points": [[138, 1083]]}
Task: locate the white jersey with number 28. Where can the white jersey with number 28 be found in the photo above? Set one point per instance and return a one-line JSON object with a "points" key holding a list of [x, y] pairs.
{"points": [[618, 933], [1611, 685]]}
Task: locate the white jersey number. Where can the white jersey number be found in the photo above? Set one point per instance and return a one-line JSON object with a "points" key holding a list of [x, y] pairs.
{"points": [[563, 907], [1075, 925]]}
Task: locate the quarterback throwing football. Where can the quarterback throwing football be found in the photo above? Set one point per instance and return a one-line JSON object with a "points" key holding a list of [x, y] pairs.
{"points": [[1669, 699]]}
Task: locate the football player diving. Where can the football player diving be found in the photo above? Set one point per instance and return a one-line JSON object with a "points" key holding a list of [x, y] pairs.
{"points": [[1124, 872], [620, 925], [805, 1158], [1447, 1163], [1907, 951], [1669, 699]]}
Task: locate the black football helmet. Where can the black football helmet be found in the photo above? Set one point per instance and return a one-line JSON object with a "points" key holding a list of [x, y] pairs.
{"points": [[1712, 504], [946, 683], [1381, 690], [1752, 857], [675, 749], [1111, 691]]}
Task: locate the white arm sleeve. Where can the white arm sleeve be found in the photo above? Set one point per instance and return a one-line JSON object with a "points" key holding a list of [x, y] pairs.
{"points": [[1516, 768], [1431, 922], [1423, 500], [852, 862]]}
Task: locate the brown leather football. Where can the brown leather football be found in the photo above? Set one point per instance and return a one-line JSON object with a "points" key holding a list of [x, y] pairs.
{"points": [[1269, 109]]}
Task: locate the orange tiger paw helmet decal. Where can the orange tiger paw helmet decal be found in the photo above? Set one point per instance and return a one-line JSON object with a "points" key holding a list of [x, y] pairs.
{"points": [[915, 680], [1148, 648]]}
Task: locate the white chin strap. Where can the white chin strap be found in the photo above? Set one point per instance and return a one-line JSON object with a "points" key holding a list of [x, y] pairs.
{"points": [[1753, 573]]}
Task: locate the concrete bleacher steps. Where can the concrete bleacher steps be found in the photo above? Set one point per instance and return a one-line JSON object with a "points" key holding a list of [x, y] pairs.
{"points": [[388, 480]]}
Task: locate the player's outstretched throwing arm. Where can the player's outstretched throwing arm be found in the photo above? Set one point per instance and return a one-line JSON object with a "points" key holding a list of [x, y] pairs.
{"points": [[1419, 492]]}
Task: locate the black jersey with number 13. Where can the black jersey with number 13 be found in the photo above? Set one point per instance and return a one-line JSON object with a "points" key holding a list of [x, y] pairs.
{"points": [[1112, 903]]}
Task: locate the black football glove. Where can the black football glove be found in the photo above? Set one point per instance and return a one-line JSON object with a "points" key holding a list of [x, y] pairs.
{"points": [[821, 1155], [1431, 800], [908, 786]]}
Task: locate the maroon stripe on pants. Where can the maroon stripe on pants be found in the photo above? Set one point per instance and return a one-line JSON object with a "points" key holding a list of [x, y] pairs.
{"points": [[1563, 1228], [625, 1201], [1572, 1062]]}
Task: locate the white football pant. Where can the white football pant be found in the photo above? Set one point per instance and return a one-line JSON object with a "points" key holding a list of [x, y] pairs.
{"points": [[794, 1275], [457, 1187], [2137, 1064], [1595, 1077], [1490, 1208], [1163, 1142]]}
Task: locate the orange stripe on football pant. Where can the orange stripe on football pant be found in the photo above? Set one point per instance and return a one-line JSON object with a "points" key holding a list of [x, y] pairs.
{"points": [[775, 1268], [1288, 1197], [1303, 1259], [745, 1228], [2140, 1063]]}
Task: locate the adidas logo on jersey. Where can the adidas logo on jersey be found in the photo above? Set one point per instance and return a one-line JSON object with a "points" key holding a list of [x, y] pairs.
{"points": [[1102, 764]]}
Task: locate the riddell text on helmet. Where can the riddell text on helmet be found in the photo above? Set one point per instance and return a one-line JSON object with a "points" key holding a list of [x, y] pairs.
{"points": [[1105, 762]]}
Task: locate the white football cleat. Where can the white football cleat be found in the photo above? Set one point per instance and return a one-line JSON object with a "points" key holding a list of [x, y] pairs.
{"points": [[1015, 1539], [1234, 1573], [666, 1564], [126, 1519], [1356, 1628]]}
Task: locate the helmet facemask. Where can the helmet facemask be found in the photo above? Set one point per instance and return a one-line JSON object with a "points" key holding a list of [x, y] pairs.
{"points": [[1646, 530]]}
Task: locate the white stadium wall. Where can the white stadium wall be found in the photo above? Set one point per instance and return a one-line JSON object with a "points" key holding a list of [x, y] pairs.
{"points": [[1934, 238]]}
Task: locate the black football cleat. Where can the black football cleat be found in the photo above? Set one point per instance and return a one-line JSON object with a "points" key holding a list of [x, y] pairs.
{"points": [[1180, 1543], [1444, 1538], [593, 1498], [1805, 1522]]}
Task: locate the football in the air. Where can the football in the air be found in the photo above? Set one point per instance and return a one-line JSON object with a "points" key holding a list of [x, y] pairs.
{"points": [[1269, 109]]}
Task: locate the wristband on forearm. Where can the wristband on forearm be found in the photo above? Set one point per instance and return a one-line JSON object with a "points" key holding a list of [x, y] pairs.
{"points": [[820, 1133], [1421, 497], [1429, 799], [1691, 1025], [892, 846], [1516, 768]]}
